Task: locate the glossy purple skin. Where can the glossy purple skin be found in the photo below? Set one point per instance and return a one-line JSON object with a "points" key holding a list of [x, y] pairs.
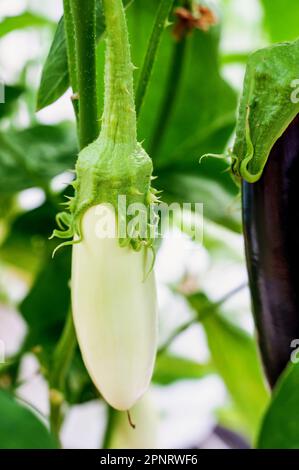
{"points": [[271, 231]]}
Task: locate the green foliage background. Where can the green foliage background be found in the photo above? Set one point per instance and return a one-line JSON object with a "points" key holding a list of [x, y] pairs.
{"points": [[200, 119]]}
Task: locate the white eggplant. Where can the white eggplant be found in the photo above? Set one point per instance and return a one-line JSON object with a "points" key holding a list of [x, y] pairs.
{"points": [[113, 286], [114, 310]]}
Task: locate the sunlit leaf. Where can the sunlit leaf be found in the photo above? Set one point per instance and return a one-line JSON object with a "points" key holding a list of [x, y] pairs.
{"points": [[24, 20]]}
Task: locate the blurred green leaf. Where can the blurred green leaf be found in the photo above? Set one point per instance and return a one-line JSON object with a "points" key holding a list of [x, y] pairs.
{"points": [[20, 428], [79, 387], [55, 76], [218, 204], [170, 368], [280, 428], [27, 239], [24, 20], [235, 357], [33, 156], [281, 19], [46, 305], [12, 93], [205, 103]]}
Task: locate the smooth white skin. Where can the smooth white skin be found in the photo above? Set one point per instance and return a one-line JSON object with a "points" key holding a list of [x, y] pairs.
{"points": [[115, 313]]}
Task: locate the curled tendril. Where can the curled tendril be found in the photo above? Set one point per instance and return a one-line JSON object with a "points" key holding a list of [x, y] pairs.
{"points": [[224, 156], [65, 223]]}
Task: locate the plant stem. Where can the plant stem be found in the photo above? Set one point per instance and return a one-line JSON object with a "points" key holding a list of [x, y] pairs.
{"points": [[111, 417], [71, 52], [172, 86], [62, 358], [153, 45], [119, 117], [84, 18]]}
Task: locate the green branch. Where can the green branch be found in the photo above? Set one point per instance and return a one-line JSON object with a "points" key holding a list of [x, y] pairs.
{"points": [[160, 24], [61, 361]]}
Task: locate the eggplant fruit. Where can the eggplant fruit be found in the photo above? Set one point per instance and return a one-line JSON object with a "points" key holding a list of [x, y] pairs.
{"points": [[270, 209]]}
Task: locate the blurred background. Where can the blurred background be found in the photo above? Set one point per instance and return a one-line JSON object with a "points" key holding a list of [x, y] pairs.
{"points": [[208, 388]]}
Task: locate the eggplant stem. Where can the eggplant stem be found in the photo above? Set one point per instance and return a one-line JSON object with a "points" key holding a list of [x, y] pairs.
{"points": [[133, 426]]}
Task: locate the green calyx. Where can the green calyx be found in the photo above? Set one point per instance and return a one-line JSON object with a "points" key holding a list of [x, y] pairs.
{"points": [[115, 164], [105, 171], [268, 105]]}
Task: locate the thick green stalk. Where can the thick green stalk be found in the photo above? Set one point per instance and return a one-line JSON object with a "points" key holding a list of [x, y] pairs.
{"points": [[83, 13], [119, 117], [163, 12]]}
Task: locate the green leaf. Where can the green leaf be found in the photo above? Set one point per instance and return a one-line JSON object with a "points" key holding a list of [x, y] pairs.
{"points": [[235, 356], [24, 20], [280, 428], [55, 76], [170, 368], [281, 19], [12, 93], [79, 387], [204, 102], [46, 305], [35, 155], [20, 428], [27, 239]]}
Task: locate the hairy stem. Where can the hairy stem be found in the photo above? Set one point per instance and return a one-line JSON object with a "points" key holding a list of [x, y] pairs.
{"points": [[84, 19], [163, 12], [119, 117]]}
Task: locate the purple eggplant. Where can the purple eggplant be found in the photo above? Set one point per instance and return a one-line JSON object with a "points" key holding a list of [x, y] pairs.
{"points": [[271, 231]]}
